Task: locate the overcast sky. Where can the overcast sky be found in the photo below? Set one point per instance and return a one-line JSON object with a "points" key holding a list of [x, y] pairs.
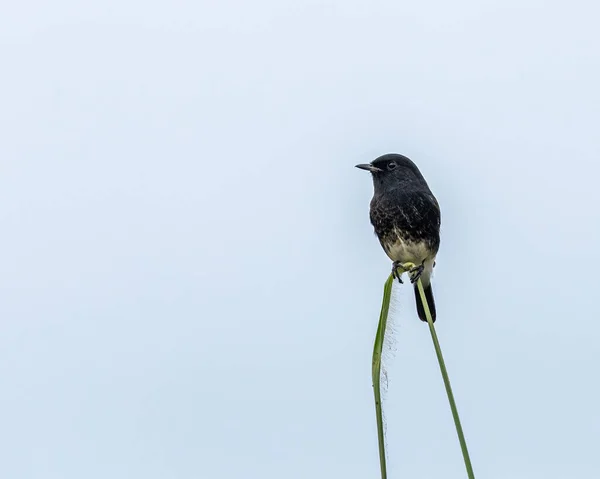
{"points": [[189, 283]]}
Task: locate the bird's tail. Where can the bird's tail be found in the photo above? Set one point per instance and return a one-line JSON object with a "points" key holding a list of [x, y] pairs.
{"points": [[430, 302]]}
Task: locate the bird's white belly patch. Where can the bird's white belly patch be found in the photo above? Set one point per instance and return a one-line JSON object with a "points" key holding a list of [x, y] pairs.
{"points": [[404, 251]]}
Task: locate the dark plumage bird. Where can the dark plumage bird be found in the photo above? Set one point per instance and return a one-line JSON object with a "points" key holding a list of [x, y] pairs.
{"points": [[406, 217]]}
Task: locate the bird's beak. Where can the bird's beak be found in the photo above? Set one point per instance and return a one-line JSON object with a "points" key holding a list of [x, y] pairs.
{"points": [[369, 167]]}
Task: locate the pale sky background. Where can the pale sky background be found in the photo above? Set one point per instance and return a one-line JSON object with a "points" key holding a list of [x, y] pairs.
{"points": [[189, 282]]}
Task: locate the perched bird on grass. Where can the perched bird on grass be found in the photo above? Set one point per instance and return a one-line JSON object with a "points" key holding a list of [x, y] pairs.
{"points": [[406, 217]]}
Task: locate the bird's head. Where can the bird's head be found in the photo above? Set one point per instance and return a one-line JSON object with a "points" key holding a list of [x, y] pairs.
{"points": [[392, 170]]}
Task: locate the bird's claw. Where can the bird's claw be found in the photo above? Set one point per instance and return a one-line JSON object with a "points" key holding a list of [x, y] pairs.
{"points": [[397, 271], [415, 273]]}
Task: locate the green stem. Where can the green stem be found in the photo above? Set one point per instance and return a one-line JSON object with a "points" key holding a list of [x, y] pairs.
{"points": [[376, 370], [438, 352]]}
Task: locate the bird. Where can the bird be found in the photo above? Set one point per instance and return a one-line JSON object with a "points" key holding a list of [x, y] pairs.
{"points": [[406, 218]]}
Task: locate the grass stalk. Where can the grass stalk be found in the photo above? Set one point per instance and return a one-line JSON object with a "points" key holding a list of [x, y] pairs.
{"points": [[438, 352], [376, 371], [376, 374]]}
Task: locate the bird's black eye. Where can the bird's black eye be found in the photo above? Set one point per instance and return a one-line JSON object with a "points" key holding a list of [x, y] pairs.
{"points": [[392, 165]]}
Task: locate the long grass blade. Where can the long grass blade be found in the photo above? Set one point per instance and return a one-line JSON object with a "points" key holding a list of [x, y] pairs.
{"points": [[438, 352], [376, 371]]}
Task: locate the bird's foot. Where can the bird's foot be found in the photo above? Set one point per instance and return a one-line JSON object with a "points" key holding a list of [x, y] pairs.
{"points": [[415, 273], [397, 270]]}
